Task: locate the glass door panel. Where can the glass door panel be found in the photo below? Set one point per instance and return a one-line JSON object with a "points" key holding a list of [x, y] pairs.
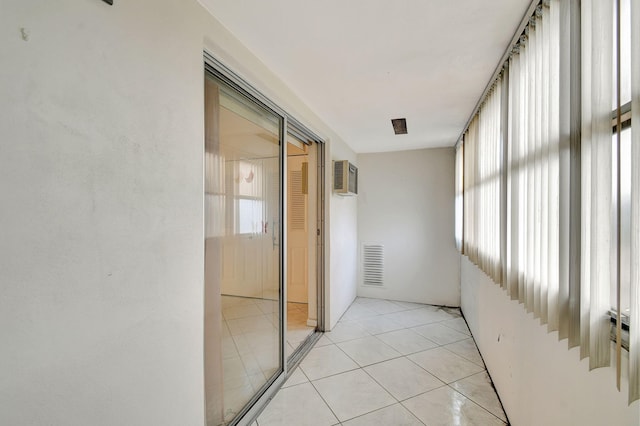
{"points": [[243, 327], [301, 243]]}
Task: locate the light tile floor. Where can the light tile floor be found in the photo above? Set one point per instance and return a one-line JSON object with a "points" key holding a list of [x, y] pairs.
{"points": [[390, 363], [297, 328], [250, 345]]}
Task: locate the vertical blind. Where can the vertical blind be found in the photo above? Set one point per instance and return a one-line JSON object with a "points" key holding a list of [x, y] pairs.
{"points": [[634, 316], [458, 198], [597, 179], [535, 174]]}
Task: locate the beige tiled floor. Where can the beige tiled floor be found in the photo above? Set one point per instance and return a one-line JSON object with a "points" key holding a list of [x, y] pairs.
{"points": [[250, 345], [390, 363], [250, 349], [297, 328]]}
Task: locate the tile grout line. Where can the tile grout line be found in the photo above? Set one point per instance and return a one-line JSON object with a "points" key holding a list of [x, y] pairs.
{"points": [[442, 346], [381, 316], [325, 402], [382, 408], [360, 368], [455, 390], [470, 360], [399, 401], [443, 384], [485, 367]]}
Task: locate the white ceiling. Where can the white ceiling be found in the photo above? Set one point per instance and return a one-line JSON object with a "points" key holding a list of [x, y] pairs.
{"points": [[359, 63]]}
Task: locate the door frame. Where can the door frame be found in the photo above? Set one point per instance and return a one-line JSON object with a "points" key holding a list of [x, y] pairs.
{"points": [[301, 351], [288, 124]]}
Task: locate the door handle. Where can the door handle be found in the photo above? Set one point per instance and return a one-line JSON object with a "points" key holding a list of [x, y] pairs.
{"points": [[274, 242]]}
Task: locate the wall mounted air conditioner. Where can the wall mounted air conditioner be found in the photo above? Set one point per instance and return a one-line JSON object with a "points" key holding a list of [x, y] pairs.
{"points": [[345, 178]]}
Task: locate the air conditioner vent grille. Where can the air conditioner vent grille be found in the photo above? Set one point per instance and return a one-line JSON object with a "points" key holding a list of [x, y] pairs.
{"points": [[338, 175], [373, 264], [345, 178]]}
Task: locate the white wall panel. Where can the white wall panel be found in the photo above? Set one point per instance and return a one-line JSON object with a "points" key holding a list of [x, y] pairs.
{"points": [[406, 203]]}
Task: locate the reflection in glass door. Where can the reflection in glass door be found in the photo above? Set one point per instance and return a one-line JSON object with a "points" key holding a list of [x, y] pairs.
{"points": [[302, 317], [243, 327]]}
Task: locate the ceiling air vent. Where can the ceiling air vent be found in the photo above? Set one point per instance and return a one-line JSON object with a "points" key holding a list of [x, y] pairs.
{"points": [[373, 264], [399, 126]]}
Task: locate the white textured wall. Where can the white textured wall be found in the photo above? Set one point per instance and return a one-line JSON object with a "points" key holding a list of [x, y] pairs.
{"points": [[101, 255], [101, 250], [343, 245], [539, 381], [406, 203]]}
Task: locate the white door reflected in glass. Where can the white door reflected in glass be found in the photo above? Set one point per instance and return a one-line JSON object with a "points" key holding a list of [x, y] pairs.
{"points": [[242, 251], [301, 243]]}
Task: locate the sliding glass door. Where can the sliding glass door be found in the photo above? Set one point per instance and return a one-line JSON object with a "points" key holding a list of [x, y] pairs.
{"points": [[243, 251]]}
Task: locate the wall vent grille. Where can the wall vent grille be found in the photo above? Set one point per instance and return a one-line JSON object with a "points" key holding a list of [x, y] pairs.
{"points": [[373, 264], [298, 215]]}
